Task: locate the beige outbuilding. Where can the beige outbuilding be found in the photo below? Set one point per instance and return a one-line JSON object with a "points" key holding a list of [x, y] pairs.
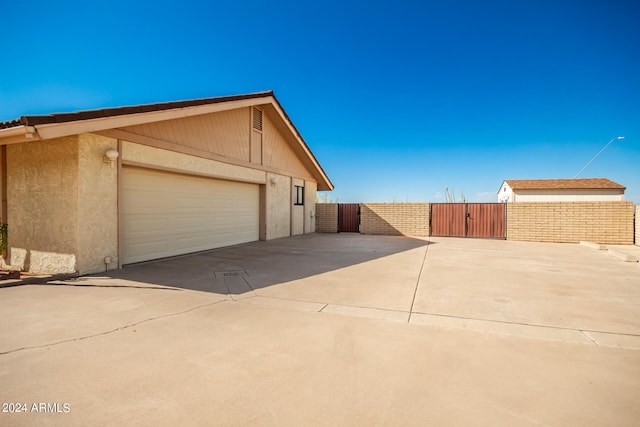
{"points": [[93, 190], [561, 190]]}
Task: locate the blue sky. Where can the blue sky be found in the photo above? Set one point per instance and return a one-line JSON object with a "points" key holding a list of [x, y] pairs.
{"points": [[398, 100]]}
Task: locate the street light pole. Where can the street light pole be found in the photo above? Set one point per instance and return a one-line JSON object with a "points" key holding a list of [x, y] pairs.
{"points": [[599, 152]]}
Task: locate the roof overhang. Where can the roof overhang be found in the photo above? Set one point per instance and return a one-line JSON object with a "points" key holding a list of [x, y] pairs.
{"points": [[19, 133], [32, 128]]}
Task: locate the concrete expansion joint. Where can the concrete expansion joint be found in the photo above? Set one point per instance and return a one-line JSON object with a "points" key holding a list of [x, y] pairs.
{"points": [[415, 292], [532, 331], [514, 329]]}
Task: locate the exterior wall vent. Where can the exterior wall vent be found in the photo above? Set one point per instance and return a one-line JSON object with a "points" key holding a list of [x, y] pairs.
{"points": [[257, 119]]}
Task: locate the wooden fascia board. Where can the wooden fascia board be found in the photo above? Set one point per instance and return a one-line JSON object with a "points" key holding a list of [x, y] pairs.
{"points": [[18, 134], [55, 130], [303, 146]]}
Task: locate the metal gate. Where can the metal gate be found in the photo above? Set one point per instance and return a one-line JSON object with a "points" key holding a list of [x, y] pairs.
{"points": [[484, 220], [348, 218]]}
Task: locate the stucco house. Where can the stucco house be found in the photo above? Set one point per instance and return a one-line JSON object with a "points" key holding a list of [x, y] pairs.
{"points": [[560, 190], [92, 190]]}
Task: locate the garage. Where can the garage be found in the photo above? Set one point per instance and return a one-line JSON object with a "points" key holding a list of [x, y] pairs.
{"points": [[166, 214]]}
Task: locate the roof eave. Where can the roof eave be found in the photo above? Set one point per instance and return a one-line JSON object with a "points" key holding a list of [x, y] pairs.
{"points": [[18, 134], [325, 183], [29, 128]]}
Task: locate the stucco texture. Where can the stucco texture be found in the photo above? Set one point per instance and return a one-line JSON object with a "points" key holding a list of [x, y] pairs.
{"points": [[42, 214], [62, 205], [278, 201], [297, 211], [97, 205], [310, 195]]}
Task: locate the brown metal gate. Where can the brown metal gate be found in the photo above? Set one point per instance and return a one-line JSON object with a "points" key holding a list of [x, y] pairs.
{"points": [[484, 220], [448, 219], [348, 218]]}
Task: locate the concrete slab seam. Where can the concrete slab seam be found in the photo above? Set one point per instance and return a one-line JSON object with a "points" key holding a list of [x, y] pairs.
{"points": [[121, 328], [289, 299], [366, 312], [528, 324], [329, 305], [415, 291], [369, 308]]}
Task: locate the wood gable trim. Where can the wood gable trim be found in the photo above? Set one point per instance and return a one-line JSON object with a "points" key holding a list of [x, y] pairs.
{"points": [[324, 183], [55, 130], [170, 146]]}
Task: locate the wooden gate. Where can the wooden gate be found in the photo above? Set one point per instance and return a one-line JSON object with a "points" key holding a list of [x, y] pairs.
{"points": [[484, 220], [348, 218]]}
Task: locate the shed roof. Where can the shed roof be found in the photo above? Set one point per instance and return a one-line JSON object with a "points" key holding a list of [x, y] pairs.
{"points": [[564, 184]]}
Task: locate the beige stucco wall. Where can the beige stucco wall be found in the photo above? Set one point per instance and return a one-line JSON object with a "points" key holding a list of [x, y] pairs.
{"points": [[42, 209], [97, 205], [278, 209], [297, 211], [310, 195], [62, 205]]}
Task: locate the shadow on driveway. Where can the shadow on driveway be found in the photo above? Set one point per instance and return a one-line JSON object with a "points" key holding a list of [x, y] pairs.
{"points": [[243, 268]]}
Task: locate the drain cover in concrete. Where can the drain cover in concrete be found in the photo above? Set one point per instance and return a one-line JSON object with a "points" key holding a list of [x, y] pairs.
{"points": [[231, 273], [234, 281]]}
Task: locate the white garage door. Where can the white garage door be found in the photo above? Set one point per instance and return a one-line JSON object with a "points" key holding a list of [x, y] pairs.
{"points": [[166, 214]]}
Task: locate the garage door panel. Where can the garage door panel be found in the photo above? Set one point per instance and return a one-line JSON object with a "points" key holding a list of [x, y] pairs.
{"points": [[141, 202], [165, 214]]}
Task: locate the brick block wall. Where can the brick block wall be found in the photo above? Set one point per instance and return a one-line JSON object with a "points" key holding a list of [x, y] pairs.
{"points": [[638, 225], [326, 217], [409, 219], [571, 222]]}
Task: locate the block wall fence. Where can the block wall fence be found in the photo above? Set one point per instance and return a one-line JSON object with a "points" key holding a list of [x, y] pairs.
{"points": [[562, 222], [326, 217], [408, 219], [638, 225], [571, 222]]}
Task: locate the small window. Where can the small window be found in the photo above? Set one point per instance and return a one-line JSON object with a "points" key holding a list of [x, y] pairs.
{"points": [[298, 196]]}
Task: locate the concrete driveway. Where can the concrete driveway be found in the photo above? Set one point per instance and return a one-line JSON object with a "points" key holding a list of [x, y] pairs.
{"points": [[332, 330]]}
